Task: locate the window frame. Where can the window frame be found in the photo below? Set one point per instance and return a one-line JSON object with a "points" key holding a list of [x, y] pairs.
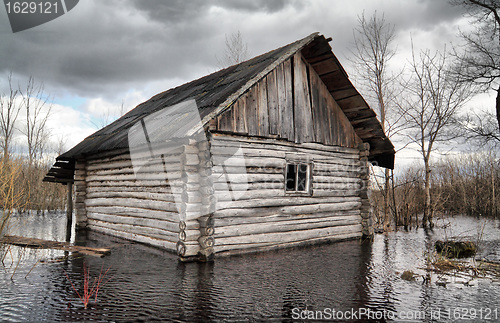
{"points": [[308, 177]]}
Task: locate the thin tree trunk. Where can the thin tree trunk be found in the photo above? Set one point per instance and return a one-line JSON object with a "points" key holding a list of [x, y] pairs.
{"points": [[387, 220], [498, 106], [427, 220], [397, 214], [493, 195]]}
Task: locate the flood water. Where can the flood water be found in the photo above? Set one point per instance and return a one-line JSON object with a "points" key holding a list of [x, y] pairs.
{"points": [[148, 284]]}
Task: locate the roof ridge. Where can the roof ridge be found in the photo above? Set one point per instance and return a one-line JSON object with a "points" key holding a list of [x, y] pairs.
{"points": [[295, 46]]}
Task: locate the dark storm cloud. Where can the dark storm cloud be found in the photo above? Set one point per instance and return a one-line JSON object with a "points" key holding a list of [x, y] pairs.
{"points": [[422, 14], [103, 47], [268, 6], [173, 11], [180, 10]]}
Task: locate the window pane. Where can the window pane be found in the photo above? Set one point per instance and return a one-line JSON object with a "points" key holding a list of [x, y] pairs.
{"points": [[302, 178], [291, 171]]}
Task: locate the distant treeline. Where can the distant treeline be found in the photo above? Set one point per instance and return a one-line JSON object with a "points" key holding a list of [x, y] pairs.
{"points": [[464, 184], [22, 188]]}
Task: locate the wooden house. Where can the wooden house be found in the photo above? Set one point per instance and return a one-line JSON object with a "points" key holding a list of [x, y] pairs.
{"points": [[269, 153]]}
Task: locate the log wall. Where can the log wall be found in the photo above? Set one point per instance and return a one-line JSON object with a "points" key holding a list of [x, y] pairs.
{"points": [[80, 194], [227, 195], [139, 206], [263, 215]]}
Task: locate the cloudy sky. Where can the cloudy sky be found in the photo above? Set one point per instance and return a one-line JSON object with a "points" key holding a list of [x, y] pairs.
{"points": [[103, 53]]}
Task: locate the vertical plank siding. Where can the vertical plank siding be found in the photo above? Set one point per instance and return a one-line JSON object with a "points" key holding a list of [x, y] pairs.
{"points": [[291, 103], [304, 128], [264, 216]]}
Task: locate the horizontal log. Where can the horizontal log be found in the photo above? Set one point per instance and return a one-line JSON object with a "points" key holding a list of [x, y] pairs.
{"points": [[161, 176], [270, 217], [158, 149], [332, 179], [164, 244], [248, 161], [248, 170], [135, 212], [335, 173], [250, 186], [221, 150], [132, 202], [155, 183], [163, 189], [246, 178], [97, 165], [94, 159], [291, 226], [166, 197], [336, 186], [144, 231], [310, 210], [225, 250], [147, 169], [224, 139], [147, 161], [294, 201], [136, 221], [292, 236], [307, 155], [333, 193], [230, 195], [106, 154], [189, 235], [187, 248]]}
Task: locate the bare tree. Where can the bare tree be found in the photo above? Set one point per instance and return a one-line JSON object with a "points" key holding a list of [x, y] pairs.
{"points": [[9, 111], [372, 51], [107, 117], [38, 110], [235, 52], [480, 60], [433, 97]]}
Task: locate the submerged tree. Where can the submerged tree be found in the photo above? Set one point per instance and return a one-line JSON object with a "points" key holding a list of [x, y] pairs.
{"points": [[431, 103], [372, 51], [479, 62]]}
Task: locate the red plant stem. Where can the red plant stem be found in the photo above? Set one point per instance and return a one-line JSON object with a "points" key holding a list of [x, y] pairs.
{"points": [[88, 290]]}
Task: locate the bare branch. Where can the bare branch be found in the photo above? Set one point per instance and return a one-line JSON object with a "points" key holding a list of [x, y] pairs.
{"points": [[235, 52], [9, 111]]}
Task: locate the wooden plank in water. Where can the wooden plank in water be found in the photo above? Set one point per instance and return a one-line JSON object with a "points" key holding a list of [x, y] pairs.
{"points": [[49, 244]]}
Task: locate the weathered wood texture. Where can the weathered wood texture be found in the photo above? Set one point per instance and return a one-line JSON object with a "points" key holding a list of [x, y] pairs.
{"points": [[164, 199], [366, 209], [50, 244], [80, 194], [137, 205], [292, 103], [254, 212]]}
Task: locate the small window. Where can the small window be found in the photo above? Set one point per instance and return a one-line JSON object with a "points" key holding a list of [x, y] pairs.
{"points": [[297, 178]]}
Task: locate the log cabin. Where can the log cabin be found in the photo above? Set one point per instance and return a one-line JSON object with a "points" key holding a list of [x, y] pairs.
{"points": [[269, 153]]}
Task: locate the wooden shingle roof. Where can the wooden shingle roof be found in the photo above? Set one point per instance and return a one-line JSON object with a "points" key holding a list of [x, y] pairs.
{"points": [[216, 92]]}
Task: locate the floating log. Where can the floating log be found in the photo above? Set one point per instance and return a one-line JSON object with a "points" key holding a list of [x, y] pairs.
{"points": [[50, 244]]}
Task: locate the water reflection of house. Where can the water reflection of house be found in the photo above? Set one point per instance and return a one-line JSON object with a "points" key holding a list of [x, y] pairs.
{"points": [[265, 154]]}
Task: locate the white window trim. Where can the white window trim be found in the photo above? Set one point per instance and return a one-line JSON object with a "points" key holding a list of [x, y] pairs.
{"points": [[308, 190]]}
